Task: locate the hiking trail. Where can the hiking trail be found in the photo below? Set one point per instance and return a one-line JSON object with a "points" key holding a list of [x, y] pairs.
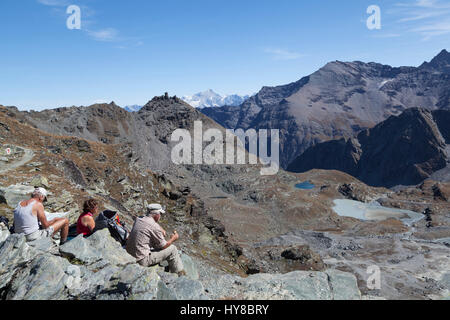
{"points": [[27, 157]]}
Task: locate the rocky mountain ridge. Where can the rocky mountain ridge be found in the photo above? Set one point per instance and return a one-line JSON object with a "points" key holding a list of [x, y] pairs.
{"points": [[339, 100], [403, 150]]}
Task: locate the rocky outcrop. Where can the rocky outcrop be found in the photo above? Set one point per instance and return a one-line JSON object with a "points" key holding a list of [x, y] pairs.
{"points": [[98, 268], [403, 150], [104, 271], [40, 181], [305, 256], [12, 195], [355, 191], [97, 247]]}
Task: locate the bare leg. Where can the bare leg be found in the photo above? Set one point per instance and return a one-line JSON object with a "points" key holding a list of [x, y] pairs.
{"points": [[61, 224]]}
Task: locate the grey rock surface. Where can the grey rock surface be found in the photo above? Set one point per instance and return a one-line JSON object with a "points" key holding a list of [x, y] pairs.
{"points": [[292, 286], [343, 285], [43, 244], [14, 253], [98, 268], [189, 267], [297, 285], [187, 289], [42, 279], [99, 246], [16, 193]]}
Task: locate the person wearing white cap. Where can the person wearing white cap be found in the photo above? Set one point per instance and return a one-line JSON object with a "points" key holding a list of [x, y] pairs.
{"points": [[29, 213], [148, 245]]}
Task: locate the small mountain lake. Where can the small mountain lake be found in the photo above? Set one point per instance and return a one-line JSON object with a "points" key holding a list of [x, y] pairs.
{"points": [[373, 211], [305, 185]]}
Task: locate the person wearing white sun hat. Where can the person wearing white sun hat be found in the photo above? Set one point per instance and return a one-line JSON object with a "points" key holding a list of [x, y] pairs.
{"points": [[147, 241], [29, 213]]}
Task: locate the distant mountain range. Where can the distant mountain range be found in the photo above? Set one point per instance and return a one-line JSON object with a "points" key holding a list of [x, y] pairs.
{"points": [[133, 108], [339, 100], [205, 99]]}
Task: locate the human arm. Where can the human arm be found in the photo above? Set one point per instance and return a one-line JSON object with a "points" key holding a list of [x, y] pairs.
{"points": [[174, 238], [42, 218]]}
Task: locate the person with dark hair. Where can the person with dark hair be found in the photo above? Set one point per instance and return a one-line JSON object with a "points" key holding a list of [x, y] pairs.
{"points": [[86, 222]]}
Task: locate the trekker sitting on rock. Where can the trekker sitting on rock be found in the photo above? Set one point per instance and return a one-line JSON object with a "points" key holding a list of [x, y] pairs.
{"points": [[28, 215], [148, 245], [86, 222]]}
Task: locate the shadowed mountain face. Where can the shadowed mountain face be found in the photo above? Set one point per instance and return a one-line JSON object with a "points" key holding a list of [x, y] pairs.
{"points": [[339, 100], [403, 150]]}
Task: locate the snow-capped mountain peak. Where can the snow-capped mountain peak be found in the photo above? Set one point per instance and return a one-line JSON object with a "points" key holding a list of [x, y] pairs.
{"points": [[209, 99], [133, 108], [205, 99]]}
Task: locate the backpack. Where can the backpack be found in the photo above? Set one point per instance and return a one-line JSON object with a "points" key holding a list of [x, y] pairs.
{"points": [[73, 231], [110, 219]]}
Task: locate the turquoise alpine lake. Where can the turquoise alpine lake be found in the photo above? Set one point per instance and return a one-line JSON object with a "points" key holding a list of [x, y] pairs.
{"points": [[305, 185]]}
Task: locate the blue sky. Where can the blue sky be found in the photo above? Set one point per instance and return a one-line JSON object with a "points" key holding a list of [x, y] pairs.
{"points": [[130, 51]]}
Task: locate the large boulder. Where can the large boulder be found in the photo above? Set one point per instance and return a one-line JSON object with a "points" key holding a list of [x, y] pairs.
{"points": [[44, 244], [188, 289], [343, 285], [14, 253], [40, 181], [43, 279], [141, 283], [15, 193], [189, 267], [132, 282], [100, 246], [305, 257], [297, 285], [181, 288]]}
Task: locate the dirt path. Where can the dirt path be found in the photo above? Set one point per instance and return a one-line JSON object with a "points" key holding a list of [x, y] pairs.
{"points": [[27, 157]]}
